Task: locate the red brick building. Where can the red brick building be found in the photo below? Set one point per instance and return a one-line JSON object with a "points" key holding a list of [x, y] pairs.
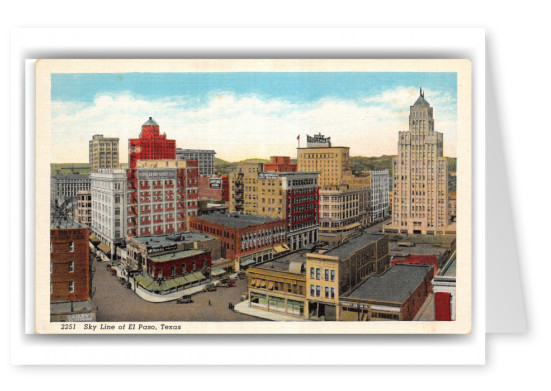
{"points": [[162, 195], [246, 239], [69, 261], [151, 145], [215, 188], [178, 263], [281, 164], [430, 260]]}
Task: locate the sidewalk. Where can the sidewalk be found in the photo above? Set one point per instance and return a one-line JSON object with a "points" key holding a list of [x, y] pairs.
{"points": [[244, 308]]}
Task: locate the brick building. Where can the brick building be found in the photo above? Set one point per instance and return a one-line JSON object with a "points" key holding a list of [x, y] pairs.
{"points": [[161, 196], [395, 295], [281, 164], [246, 239], [430, 260], [214, 188], [151, 145], [292, 196], [69, 271], [444, 286], [178, 263]]}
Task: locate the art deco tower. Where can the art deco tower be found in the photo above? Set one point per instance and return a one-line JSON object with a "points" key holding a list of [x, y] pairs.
{"points": [[420, 176]]}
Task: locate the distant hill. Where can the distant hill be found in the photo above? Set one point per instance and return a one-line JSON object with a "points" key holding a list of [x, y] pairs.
{"points": [[223, 167], [362, 163], [69, 168]]}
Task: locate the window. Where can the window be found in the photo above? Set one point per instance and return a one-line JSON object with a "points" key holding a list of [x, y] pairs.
{"points": [[318, 274], [71, 286], [318, 291], [173, 271], [71, 246], [312, 290], [326, 292], [312, 272], [332, 275], [326, 274], [332, 293], [71, 266]]}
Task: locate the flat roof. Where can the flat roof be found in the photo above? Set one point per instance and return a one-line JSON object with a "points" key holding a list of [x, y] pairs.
{"points": [[167, 240], [354, 244], [418, 249], [395, 285], [236, 220], [282, 263], [65, 223], [176, 255]]}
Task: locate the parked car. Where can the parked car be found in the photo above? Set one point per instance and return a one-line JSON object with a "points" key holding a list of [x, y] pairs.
{"points": [[244, 296], [210, 288], [113, 271], [121, 280], [128, 285], [241, 275], [184, 300], [229, 283]]}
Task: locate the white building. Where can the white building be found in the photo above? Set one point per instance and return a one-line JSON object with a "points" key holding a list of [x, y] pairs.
{"points": [[64, 187], [204, 157], [379, 187], [109, 190], [420, 200]]}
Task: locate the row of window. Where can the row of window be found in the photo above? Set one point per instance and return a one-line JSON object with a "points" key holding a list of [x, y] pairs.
{"points": [[315, 273], [315, 290]]}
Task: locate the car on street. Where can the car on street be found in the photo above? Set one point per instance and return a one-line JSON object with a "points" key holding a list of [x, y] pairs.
{"points": [[184, 300], [210, 288]]}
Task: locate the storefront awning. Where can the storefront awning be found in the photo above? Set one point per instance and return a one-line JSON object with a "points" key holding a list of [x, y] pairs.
{"points": [[218, 272], [94, 238], [271, 285], [280, 249], [104, 248]]}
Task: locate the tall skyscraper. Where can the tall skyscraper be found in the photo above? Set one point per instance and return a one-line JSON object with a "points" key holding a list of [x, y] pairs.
{"points": [[103, 152], [420, 198], [151, 145]]}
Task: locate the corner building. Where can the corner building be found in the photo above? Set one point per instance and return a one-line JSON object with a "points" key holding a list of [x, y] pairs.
{"points": [[420, 201]]}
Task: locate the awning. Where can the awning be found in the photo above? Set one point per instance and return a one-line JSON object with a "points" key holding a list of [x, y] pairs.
{"points": [[271, 285], [280, 249], [94, 238], [105, 248], [218, 272], [253, 281], [286, 247], [247, 262], [224, 264], [263, 285]]}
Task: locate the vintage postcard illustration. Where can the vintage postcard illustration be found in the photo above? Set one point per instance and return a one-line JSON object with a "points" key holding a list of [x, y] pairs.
{"points": [[253, 196]]}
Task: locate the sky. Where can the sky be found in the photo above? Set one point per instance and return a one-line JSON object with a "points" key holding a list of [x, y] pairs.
{"points": [[247, 115]]}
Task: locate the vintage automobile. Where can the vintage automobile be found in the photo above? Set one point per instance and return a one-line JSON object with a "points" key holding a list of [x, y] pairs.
{"points": [[241, 275], [210, 288], [113, 271], [184, 300], [127, 285], [228, 282], [244, 296]]}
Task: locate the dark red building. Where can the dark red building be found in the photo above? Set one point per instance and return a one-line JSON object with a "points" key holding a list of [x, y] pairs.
{"points": [[430, 260], [151, 145], [178, 263], [216, 188], [69, 261], [281, 164]]}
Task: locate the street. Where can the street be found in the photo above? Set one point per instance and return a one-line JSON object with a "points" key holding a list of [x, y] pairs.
{"points": [[118, 304]]}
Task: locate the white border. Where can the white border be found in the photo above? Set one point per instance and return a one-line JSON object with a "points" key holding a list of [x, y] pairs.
{"points": [[288, 350]]}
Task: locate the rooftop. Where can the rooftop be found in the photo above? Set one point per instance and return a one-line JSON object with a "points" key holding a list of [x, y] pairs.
{"points": [[235, 220], [150, 122], [176, 255], [65, 222], [167, 240], [285, 261], [351, 246], [395, 285], [449, 268]]}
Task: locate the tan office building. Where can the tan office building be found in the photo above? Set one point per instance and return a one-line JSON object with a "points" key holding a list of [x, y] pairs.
{"points": [[103, 152], [343, 209], [420, 201], [84, 207]]}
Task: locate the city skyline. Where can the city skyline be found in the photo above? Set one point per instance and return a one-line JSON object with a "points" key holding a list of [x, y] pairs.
{"points": [[228, 112]]}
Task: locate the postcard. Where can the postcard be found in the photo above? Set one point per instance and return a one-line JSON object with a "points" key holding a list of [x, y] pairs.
{"points": [[253, 196]]}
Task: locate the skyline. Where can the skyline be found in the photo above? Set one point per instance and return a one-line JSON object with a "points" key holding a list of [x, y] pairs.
{"points": [[229, 112]]}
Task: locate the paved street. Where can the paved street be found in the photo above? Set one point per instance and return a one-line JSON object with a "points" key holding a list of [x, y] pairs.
{"points": [[116, 303]]}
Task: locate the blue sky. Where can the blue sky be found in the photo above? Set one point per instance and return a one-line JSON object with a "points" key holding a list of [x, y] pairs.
{"points": [[243, 115]]}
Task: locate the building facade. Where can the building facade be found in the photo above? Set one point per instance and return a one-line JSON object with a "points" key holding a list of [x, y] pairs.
{"points": [[246, 239], [109, 196], [162, 195], [343, 209], [138, 249], [332, 163], [322, 286], [103, 152], [379, 191], [69, 261], [84, 207], [151, 145], [204, 157], [214, 188], [395, 295], [292, 196], [66, 187], [420, 202], [280, 164]]}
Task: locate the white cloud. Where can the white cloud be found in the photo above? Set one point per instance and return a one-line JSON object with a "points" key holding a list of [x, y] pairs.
{"points": [[239, 127]]}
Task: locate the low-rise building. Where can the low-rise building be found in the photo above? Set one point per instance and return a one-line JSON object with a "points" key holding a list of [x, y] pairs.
{"points": [[214, 188], [138, 249], [444, 287], [397, 294], [70, 272], [343, 209], [246, 239], [279, 285], [431, 260]]}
